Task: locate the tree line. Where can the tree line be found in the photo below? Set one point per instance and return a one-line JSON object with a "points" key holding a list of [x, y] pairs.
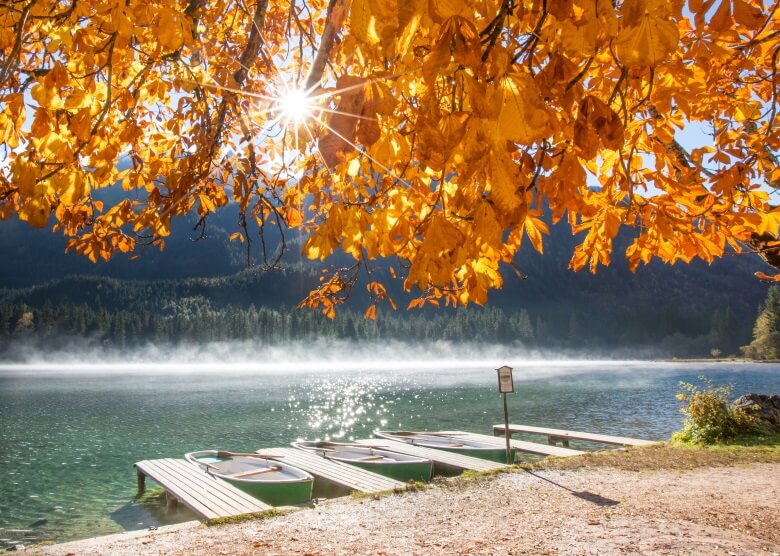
{"points": [[198, 320]]}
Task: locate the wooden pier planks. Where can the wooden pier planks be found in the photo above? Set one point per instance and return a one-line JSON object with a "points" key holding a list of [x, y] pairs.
{"points": [[440, 457], [207, 496], [521, 445], [342, 474], [559, 435]]}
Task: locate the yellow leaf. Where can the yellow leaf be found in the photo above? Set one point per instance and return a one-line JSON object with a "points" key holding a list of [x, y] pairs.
{"points": [[764, 276], [25, 175], [69, 186], [207, 202], [36, 211], [506, 182], [486, 271], [649, 43], [523, 117], [410, 13], [597, 123], [370, 312], [486, 226], [534, 227], [363, 20], [169, 30], [441, 10], [745, 111]]}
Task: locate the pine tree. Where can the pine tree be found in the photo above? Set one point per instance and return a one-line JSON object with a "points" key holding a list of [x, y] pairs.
{"points": [[766, 330]]}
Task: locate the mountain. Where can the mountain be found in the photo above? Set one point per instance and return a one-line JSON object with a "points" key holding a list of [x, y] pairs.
{"points": [[660, 304]]}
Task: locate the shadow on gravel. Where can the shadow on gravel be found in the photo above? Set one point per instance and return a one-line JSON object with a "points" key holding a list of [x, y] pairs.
{"points": [[585, 495]]}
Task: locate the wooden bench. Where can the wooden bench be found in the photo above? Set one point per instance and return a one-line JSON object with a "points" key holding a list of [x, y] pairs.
{"points": [[555, 436], [519, 445], [342, 474], [440, 458], [208, 497]]}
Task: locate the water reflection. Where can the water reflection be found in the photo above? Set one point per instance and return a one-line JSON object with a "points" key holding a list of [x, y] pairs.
{"points": [[67, 442], [343, 408]]}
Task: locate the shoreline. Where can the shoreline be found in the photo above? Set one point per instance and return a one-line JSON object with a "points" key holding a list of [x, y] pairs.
{"points": [[606, 510]]}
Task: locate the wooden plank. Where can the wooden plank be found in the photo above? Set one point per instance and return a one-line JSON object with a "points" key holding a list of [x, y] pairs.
{"points": [[207, 496], [204, 512], [563, 435], [232, 500], [337, 472], [186, 482], [342, 473], [228, 499], [450, 459], [173, 485], [523, 446]]}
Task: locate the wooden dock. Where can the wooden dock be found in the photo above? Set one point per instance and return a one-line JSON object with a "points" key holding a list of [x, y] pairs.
{"points": [[208, 497], [441, 458], [555, 436], [341, 474], [519, 445]]}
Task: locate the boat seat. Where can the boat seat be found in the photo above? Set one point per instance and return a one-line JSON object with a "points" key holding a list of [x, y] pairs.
{"points": [[250, 473]]}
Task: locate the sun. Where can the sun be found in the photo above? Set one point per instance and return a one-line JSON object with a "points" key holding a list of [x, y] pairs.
{"points": [[295, 105]]}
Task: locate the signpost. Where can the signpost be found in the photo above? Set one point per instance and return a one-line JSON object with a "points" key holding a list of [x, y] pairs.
{"points": [[506, 385]]}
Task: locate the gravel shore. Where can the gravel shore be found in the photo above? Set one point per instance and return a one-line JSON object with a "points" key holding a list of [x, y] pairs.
{"points": [[712, 511]]}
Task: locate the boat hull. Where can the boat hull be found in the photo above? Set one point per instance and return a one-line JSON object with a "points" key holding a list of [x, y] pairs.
{"points": [[401, 467], [454, 444], [402, 471], [284, 485], [498, 454], [276, 494]]}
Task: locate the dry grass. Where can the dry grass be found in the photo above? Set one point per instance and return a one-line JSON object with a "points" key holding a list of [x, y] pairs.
{"points": [[267, 514], [665, 456]]}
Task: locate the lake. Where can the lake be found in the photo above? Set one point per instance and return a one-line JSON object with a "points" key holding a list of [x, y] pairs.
{"points": [[69, 434]]}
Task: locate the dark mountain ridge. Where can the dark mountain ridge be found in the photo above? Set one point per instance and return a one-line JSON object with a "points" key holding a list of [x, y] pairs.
{"points": [[613, 307]]}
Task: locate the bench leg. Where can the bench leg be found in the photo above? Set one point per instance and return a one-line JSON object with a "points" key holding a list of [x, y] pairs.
{"points": [[141, 483], [554, 440]]}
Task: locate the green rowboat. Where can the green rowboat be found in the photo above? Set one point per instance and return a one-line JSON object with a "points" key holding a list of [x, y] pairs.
{"points": [[451, 443], [401, 467], [269, 480]]}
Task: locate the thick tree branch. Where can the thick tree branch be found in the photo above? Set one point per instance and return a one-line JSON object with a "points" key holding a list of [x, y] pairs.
{"points": [[333, 20], [17, 48]]}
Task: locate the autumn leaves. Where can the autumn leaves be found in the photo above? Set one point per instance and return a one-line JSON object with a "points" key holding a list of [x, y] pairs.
{"points": [[439, 134]]}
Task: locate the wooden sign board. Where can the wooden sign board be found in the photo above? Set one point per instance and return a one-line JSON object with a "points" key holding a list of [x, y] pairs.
{"points": [[505, 382]]}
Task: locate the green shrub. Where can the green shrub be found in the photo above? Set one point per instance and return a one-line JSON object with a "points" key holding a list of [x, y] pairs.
{"points": [[709, 417]]}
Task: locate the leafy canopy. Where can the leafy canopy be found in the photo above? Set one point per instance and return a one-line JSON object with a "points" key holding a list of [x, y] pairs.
{"points": [[432, 135]]}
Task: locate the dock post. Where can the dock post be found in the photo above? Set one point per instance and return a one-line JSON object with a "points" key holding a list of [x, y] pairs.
{"points": [[170, 501], [141, 483], [506, 433]]}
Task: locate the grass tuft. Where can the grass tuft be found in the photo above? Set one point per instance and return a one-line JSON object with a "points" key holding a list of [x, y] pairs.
{"points": [[151, 496], [267, 514], [676, 456]]}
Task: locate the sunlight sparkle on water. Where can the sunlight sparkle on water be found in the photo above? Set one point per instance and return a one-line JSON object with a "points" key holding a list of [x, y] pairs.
{"points": [[337, 405]]}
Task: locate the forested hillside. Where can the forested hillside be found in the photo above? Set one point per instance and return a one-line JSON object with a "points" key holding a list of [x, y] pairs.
{"points": [[202, 290]]}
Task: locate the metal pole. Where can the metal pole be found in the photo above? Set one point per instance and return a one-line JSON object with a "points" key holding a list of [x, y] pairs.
{"points": [[506, 433]]}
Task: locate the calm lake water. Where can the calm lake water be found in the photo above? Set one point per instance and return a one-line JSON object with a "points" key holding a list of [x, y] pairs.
{"points": [[68, 439]]}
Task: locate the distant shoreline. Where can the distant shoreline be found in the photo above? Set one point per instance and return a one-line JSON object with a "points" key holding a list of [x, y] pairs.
{"points": [[715, 360]]}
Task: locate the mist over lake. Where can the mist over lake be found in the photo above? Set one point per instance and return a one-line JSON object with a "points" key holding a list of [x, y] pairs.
{"points": [[71, 431]]}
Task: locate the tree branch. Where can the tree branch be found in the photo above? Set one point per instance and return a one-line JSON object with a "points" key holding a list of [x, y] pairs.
{"points": [[334, 18]]}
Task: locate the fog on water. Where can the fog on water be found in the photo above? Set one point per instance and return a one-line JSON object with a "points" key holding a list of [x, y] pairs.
{"points": [[322, 356]]}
